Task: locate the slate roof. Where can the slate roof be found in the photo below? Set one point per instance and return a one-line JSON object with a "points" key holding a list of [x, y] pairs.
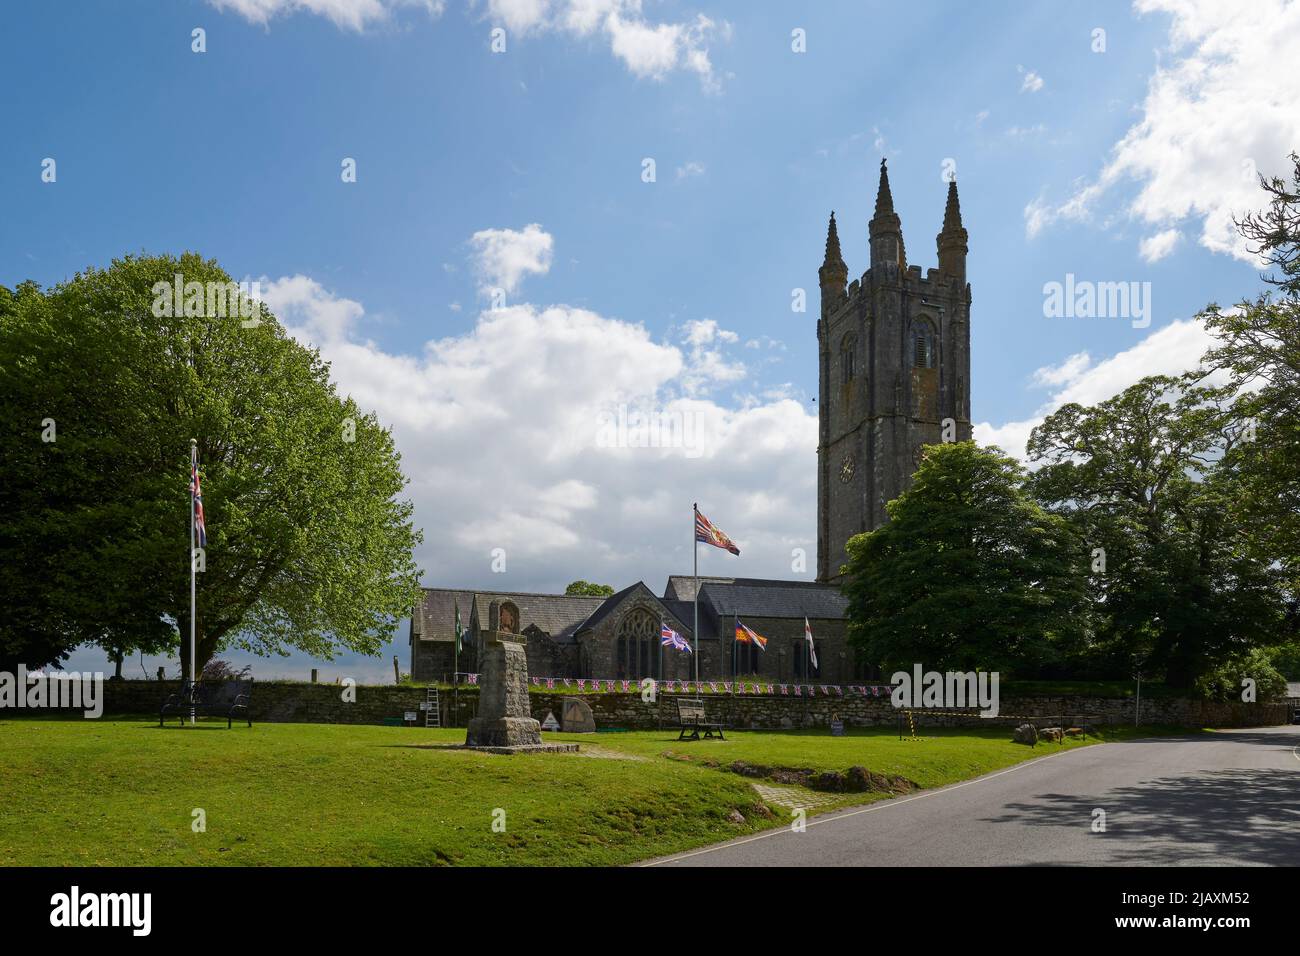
{"points": [[767, 598], [682, 610], [437, 614], [681, 587], [608, 604], [559, 615]]}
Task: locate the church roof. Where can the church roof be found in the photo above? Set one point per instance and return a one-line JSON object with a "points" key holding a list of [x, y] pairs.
{"points": [[681, 610], [557, 614], [768, 598], [434, 618], [681, 587]]}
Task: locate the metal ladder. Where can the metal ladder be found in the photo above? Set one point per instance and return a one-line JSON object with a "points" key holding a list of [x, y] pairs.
{"points": [[432, 716]]}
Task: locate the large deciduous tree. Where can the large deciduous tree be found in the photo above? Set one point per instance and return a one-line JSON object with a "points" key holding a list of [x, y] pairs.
{"points": [[1149, 478], [969, 572], [309, 544]]}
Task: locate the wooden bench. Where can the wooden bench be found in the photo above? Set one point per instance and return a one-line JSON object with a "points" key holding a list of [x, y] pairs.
{"points": [[223, 698], [691, 719]]}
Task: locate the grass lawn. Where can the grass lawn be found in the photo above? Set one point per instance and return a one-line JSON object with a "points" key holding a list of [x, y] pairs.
{"points": [[123, 792]]}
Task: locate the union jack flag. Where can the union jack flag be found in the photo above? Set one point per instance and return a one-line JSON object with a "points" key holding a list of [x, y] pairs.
{"points": [[671, 638], [196, 502], [706, 532]]}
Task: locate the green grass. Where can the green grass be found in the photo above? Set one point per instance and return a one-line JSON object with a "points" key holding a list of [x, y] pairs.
{"points": [[122, 792], [935, 758]]}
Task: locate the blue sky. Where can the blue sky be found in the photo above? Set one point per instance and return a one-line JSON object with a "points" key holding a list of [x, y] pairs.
{"points": [[1117, 165]]}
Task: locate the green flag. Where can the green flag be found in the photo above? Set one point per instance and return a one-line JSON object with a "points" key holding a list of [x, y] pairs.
{"points": [[458, 631]]}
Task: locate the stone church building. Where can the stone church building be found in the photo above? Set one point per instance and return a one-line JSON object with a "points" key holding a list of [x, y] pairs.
{"points": [[894, 375]]}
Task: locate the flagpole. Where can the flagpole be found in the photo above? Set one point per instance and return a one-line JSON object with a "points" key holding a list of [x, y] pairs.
{"points": [[194, 471], [695, 633]]}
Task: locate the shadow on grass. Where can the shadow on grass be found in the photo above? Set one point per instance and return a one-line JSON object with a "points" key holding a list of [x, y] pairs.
{"points": [[211, 726]]}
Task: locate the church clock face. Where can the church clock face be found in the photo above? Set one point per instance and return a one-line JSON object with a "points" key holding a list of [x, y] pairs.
{"points": [[846, 469]]}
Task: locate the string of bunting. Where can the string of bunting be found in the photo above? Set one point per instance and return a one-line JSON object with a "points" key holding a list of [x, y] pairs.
{"points": [[605, 686]]}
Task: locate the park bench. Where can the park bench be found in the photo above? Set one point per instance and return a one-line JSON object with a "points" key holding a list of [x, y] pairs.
{"points": [[223, 698], [691, 719]]}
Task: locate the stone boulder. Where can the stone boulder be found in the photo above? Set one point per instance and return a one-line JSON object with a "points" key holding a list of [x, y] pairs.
{"points": [[1025, 734], [576, 717]]}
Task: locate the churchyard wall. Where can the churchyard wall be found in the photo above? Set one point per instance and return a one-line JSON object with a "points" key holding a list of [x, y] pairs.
{"points": [[283, 701]]}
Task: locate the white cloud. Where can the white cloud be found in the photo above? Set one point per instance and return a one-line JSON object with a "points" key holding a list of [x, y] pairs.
{"points": [[1156, 247], [1031, 83], [502, 257], [1222, 107], [500, 434], [301, 302], [1171, 350], [707, 366], [345, 14], [651, 50], [519, 16], [690, 169]]}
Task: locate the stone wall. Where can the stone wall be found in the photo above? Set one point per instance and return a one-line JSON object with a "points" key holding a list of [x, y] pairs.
{"points": [[762, 712], [277, 701]]}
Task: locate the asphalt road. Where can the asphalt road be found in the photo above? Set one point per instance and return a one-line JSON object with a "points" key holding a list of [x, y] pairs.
{"points": [[1230, 798]]}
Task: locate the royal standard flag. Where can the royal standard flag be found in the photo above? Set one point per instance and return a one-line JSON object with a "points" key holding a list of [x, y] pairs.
{"points": [[706, 532]]}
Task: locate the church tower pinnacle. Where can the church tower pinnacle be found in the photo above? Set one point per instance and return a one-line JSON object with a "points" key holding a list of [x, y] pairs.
{"points": [[886, 228], [952, 238], [833, 274]]}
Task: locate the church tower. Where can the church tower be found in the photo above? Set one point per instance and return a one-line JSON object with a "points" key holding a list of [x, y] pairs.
{"points": [[894, 357]]}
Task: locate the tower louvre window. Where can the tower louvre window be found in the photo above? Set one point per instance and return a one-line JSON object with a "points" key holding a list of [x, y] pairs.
{"points": [[923, 346]]}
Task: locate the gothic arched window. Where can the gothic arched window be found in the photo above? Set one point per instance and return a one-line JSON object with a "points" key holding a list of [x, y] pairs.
{"points": [[637, 645], [848, 357], [923, 351]]}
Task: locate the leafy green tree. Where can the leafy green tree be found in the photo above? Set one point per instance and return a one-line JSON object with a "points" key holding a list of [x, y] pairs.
{"points": [[587, 589], [969, 572], [1147, 479], [1258, 347], [309, 546], [1223, 682]]}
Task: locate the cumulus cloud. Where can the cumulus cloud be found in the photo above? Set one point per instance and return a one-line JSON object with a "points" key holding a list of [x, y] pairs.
{"points": [[345, 14], [1154, 248], [537, 431], [502, 257], [648, 49], [1220, 111], [1171, 350]]}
